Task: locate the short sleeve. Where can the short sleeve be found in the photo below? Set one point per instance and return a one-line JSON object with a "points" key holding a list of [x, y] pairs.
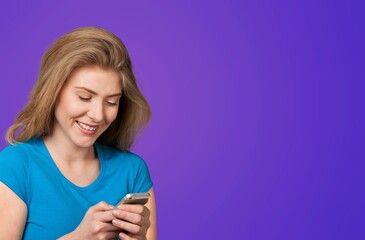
{"points": [[142, 181], [14, 171]]}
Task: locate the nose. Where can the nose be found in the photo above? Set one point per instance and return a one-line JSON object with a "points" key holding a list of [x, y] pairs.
{"points": [[96, 112]]}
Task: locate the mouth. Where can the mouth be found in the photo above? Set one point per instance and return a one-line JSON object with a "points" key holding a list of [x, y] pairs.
{"points": [[87, 127]]}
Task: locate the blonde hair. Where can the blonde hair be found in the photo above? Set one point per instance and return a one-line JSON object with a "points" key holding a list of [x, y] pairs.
{"points": [[83, 47]]}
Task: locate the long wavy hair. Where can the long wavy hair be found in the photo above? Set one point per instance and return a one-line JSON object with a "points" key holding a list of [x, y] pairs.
{"points": [[83, 47]]}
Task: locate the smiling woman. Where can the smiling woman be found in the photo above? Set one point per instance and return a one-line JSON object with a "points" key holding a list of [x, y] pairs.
{"points": [[69, 164], [87, 105]]}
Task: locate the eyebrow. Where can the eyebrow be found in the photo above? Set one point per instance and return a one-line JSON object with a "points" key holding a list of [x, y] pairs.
{"points": [[94, 93]]}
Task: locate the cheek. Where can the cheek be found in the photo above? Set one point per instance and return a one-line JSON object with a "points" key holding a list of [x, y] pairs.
{"points": [[69, 110], [111, 115], [77, 109]]}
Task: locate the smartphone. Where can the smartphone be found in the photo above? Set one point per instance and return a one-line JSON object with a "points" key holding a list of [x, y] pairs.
{"points": [[135, 198]]}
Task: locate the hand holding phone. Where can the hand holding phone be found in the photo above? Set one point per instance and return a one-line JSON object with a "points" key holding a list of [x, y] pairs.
{"points": [[126, 216]]}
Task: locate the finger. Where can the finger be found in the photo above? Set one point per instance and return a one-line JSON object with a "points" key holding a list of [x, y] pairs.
{"points": [[104, 216], [104, 227], [101, 206], [109, 227], [125, 236], [130, 227], [135, 208], [131, 217]]}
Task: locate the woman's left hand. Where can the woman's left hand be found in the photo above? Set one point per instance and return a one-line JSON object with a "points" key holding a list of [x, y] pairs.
{"points": [[134, 219]]}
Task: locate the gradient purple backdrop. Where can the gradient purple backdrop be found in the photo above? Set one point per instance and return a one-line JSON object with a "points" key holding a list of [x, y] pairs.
{"points": [[257, 128]]}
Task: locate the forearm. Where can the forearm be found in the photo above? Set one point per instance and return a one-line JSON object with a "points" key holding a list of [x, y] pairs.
{"points": [[151, 234], [151, 205]]}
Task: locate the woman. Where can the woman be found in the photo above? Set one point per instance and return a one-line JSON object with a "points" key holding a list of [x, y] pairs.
{"points": [[69, 163]]}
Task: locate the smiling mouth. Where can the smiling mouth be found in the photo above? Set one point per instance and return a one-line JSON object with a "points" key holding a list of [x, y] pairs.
{"points": [[86, 127]]}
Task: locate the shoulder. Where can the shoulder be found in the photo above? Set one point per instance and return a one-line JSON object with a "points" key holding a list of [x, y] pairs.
{"points": [[15, 167], [20, 154], [19, 150], [128, 166]]}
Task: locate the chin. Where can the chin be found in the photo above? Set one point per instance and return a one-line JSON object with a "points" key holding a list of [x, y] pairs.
{"points": [[84, 143]]}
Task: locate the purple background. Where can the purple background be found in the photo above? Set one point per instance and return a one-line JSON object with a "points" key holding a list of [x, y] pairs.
{"points": [[258, 108]]}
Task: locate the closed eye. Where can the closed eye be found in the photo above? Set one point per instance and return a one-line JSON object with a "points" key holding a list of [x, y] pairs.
{"points": [[112, 103], [84, 98]]}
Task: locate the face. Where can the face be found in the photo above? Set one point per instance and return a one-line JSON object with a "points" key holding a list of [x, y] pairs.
{"points": [[87, 105]]}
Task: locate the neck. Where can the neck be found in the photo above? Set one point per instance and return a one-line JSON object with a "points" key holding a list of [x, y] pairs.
{"points": [[68, 152], [79, 165]]}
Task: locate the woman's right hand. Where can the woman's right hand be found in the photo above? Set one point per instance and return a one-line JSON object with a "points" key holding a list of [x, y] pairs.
{"points": [[96, 224]]}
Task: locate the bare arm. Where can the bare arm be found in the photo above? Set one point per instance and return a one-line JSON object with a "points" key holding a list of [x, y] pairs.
{"points": [[151, 205], [13, 214]]}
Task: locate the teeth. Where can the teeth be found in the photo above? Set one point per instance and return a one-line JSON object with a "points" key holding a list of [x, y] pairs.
{"points": [[86, 127]]}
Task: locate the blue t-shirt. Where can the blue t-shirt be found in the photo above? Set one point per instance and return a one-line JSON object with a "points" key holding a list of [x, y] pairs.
{"points": [[56, 206]]}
